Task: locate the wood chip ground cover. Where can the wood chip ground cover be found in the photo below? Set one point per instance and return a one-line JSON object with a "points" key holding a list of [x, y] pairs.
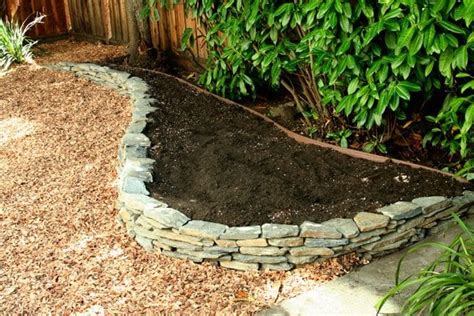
{"points": [[61, 251]]}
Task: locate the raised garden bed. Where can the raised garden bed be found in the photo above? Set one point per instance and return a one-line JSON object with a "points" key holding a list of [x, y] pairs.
{"points": [[232, 189]]}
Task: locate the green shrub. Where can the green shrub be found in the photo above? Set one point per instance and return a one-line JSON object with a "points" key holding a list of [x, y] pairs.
{"points": [[348, 64], [445, 287], [15, 47]]}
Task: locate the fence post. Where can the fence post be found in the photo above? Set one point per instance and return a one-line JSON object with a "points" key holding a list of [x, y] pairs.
{"points": [[67, 13], [106, 20]]}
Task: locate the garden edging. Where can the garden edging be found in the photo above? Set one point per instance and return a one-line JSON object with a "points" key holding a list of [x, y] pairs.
{"points": [[158, 227]]}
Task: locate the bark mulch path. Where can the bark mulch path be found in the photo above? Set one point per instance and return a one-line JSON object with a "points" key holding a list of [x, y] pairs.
{"points": [[60, 248]]}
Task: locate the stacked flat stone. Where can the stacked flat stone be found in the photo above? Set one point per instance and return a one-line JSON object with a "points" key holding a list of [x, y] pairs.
{"points": [[159, 228]]}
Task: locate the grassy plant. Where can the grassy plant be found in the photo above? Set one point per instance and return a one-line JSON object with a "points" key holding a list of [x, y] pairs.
{"points": [[15, 46], [446, 286]]}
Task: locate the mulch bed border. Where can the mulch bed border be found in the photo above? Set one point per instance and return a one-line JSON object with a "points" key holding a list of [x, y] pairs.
{"points": [[159, 228]]}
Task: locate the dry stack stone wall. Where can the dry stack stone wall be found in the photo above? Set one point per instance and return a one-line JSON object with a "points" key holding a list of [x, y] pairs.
{"points": [[160, 228]]}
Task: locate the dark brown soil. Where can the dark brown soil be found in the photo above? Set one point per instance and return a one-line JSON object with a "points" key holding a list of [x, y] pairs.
{"points": [[217, 162]]}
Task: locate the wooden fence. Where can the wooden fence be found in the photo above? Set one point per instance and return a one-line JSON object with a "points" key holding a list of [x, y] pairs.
{"points": [[107, 20], [55, 22]]}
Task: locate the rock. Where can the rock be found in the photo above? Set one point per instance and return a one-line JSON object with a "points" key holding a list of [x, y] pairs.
{"points": [[153, 223], [166, 216], [441, 227], [134, 185], [226, 243], [313, 230], [146, 243], [203, 229], [287, 242], [263, 251], [279, 230], [412, 223], [390, 239], [309, 251], [143, 223], [284, 266], [182, 256], [136, 127], [260, 242], [301, 259], [250, 232], [158, 244], [139, 201], [139, 140], [224, 250], [125, 215], [200, 254], [354, 245], [325, 243], [370, 221], [439, 215], [184, 238], [368, 235], [345, 226], [258, 259], [179, 244], [236, 265], [400, 210], [432, 204]]}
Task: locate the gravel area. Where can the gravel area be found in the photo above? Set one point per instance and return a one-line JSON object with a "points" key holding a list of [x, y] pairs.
{"points": [[61, 251]]}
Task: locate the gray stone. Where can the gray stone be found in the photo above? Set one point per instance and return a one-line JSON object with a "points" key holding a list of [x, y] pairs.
{"points": [[126, 215], [432, 204], [260, 242], [370, 221], [139, 140], [390, 239], [166, 216], [391, 246], [182, 256], [286, 242], [284, 266], [301, 259], [136, 127], [354, 245], [146, 243], [134, 185], [249, 232], [368, 235], [279, 230], [325, 243], [143, 223], [158, 244], [219, 249], [139, 201], [203, 229], [400, 210], [441, 227], [439, 215], [132, 152], [143, 232], [258, 259], [263, 251], [153, 223], [412, 223], [309, 251], [236, 265], [201, 254], [184, 238], [345, 226], [313, 230], [226, 243], [179, 244]]}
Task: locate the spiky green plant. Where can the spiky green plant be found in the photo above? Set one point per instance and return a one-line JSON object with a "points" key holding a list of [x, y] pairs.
{"points": [[446, 286], [15, 46]]}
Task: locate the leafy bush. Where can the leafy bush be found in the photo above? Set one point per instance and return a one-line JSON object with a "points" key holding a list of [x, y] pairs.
{"points": [[15, 47], [445, 287], [348, 62]]}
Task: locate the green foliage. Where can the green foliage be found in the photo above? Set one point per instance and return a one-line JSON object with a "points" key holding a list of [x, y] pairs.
{"points": [[349, 62], [15, 47], [341, 137], [446, 286]]}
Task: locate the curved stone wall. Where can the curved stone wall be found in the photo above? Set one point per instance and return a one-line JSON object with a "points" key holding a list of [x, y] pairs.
{"points": [[160, 228]]}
